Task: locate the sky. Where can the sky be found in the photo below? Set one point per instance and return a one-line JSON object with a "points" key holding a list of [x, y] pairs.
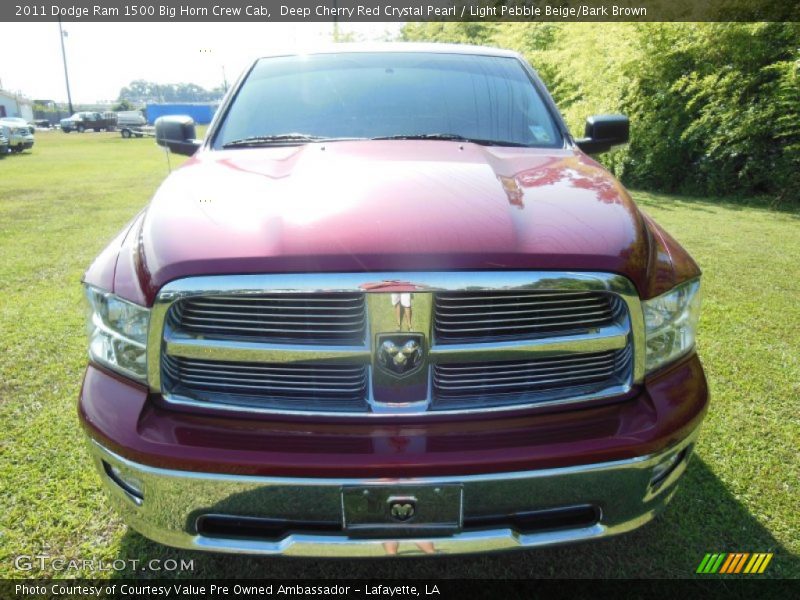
{"points": [[104, 57]]}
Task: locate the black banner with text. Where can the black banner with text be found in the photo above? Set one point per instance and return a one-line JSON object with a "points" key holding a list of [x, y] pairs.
{"points": [[398, 10], [440, 589]]}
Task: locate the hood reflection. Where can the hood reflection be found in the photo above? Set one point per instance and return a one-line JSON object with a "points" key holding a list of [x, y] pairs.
{"points": [[573, 171]]}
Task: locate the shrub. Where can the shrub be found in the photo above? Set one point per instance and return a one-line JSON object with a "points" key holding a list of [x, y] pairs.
{"points": [[714, 107]]}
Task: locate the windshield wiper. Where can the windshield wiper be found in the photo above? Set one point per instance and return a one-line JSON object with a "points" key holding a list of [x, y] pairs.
{"points": [[265, 140], [452, 137], [290, 138]]}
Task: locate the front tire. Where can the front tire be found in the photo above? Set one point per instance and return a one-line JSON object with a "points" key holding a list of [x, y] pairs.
{"points": [[126, 133]]}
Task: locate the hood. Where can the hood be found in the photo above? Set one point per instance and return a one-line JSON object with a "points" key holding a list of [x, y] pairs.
{"points": [[388, 206]]}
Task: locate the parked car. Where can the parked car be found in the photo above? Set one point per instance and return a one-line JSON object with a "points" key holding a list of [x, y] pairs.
{"points": [[3, 140], [20, 137], [405, 309], [17, 122], [81, 121]]}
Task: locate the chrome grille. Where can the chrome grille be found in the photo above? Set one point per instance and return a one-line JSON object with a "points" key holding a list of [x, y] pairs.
{"points": [[300, 318], [503, 382], [265, 385], [308, 343], [480, 316]]}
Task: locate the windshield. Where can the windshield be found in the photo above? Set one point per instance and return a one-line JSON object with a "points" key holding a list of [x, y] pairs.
{"points": [[296, 99]]}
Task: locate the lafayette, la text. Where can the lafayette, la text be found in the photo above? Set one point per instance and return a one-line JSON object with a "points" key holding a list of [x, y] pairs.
{"points": [[195, 590]]}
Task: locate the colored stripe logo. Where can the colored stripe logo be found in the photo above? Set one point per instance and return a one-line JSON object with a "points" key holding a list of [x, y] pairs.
{"points": [[735, 562]]}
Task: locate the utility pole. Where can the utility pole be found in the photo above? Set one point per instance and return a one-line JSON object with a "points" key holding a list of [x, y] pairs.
{"points": [[335, 20], [62, 35]]}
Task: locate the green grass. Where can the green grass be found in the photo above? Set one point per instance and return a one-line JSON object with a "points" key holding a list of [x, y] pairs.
{"points": [[60, 205]]}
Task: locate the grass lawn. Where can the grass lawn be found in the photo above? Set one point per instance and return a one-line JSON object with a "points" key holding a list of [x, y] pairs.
{"points": [[61, 203]]}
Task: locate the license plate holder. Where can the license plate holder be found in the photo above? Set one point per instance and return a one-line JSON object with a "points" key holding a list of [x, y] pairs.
{"points": [[402, 511]]}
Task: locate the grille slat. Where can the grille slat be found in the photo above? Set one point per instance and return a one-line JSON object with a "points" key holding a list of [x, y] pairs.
{"points": [[445, 305], [494, 316], [566, 362], [269, 387], [332, 387], [494, 383], [266, 318], [289, 383], [291, 332], [344, 325], [484, 296], [320, 369], [323, 298], [354, 312], [522, 331], [285, 375], [523, 371], [305, 318], [529, 308], [444, 386], [456, 320], [202, 368]]}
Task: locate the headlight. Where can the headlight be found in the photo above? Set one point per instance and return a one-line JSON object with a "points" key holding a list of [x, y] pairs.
{"points": [[671, 323], [117, 333]]}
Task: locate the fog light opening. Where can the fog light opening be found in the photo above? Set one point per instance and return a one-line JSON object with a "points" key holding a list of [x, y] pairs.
{"points": [[128, 483], [261, 528], [665, 468]]}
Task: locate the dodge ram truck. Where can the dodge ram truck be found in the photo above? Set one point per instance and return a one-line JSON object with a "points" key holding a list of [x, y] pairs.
{"points": [[81, 121], [390, 302]]}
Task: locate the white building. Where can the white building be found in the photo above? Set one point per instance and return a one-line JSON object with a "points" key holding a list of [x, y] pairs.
{"points": [[14, 105]]}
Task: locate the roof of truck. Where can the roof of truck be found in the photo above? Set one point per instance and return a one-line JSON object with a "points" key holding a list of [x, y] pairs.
{"points": [[398, 47]]}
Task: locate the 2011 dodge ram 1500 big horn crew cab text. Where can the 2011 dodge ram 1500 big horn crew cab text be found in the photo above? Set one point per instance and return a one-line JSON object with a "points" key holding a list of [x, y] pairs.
{"points": [[390, 300]]}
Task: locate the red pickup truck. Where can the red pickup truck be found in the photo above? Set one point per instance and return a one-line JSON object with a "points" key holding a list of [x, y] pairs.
{"points": [[391, 302]]}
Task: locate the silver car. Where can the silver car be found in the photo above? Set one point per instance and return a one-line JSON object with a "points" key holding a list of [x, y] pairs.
{"points": [[20, 136], [3, 141]]}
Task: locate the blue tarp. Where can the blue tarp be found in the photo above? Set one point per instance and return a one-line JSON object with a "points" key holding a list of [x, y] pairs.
{"points": [[201, 113]]}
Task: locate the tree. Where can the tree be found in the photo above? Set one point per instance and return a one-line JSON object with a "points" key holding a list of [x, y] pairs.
{"points": [[123, 105], [140, 92], [714, 107]]}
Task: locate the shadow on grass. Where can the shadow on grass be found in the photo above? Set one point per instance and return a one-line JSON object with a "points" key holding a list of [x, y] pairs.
{"points": [[703, 517], [670, 202]]}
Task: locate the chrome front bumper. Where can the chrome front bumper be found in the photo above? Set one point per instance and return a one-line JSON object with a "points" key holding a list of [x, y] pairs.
{"points": [[165, 505]]}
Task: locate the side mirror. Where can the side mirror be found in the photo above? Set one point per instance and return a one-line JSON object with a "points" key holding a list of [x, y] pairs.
{"points": [[178, 134], [604, 131]]}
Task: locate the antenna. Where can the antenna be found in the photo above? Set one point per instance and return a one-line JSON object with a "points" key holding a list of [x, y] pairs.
{"points": [[169, 165]]}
